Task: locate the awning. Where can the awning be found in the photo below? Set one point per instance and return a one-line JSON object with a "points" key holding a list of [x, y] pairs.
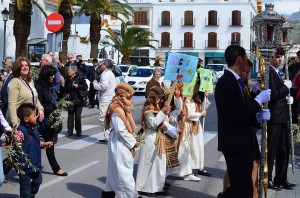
{"points": [[37, 41]]}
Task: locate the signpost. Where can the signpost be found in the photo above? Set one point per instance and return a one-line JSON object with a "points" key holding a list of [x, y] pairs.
{"points": [[54, 22]]}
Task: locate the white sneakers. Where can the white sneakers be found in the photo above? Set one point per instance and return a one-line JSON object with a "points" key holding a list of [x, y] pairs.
{"points": [[191, 177]]}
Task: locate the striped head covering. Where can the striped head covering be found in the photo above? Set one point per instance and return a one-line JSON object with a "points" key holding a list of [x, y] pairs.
{"points": [[122, 104]]}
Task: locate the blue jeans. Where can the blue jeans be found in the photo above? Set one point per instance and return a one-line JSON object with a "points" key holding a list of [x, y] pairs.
{"points": [[28, 188], [1, 167]]}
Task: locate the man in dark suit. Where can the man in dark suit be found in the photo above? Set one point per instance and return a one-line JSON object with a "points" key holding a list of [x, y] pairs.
{"points": [[278, 133], [235, 112], [92, 75]]}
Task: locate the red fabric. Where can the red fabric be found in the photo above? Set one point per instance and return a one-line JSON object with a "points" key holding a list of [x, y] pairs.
{"points": [[297, 84]]}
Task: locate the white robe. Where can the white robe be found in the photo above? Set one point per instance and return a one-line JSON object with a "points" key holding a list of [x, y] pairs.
{"points": [[191, 148], [120, 161], [151, 170]]}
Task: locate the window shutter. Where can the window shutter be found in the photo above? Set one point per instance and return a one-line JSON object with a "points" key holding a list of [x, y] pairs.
{"points": [[165, 18], [188, 18]]}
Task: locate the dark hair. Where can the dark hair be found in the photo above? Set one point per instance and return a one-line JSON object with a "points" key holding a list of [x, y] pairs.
{"points": [[249, 62], [45, 72], [78, 56], [109, 63], [25, 110], [16, 69], [232, 52]]}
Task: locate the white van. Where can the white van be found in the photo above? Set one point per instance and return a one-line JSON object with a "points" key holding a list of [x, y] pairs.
{"points": [[218, 68]]}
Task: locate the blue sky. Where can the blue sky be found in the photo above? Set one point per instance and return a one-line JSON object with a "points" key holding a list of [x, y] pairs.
{"points": [[284, 6]]}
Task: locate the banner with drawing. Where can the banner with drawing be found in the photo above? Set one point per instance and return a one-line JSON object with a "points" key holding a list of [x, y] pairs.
{"points": [[206, 80], [188, 88], [181, 67]]}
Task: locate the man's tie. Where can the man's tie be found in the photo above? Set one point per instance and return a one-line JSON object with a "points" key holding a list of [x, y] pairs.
{"points": [[241, 87]]}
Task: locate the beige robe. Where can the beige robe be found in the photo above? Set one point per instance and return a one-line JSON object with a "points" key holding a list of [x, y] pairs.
{"points": [[151, 170]]}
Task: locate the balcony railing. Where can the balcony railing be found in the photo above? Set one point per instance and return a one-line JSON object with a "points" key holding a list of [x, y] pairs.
{"points": [[235, 24], [164, 45], [187, 45], [188, 21], [211, 44], [240, 43], [165, 22], [211, 22], [141, 22]]}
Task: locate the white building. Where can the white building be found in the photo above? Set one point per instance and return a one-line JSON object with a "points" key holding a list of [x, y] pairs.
{"points": [[203, 28]]}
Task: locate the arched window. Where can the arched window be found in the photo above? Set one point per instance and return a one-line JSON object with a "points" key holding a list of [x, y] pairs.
{"points": [[236, 18], [212, 17], [188, 18], [165, 39], [188, 39], [212, 39], [140, 18], [165, 18]]}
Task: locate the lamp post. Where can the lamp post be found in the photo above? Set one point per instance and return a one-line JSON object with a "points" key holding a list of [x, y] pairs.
{"points": [[170, 46], [267, 25], [5, 15], [119, 40], [76, 9]]}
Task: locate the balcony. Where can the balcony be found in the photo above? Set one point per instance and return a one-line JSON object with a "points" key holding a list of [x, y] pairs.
{"points": [[212, 22], [188, 21], [165, 44], [141, 22], [236, 23], [211, 44], [185, 44], [240, 43], [165, 21]]}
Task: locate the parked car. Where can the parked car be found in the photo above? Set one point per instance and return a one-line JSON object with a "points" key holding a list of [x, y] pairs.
{"points": [[215, 77], [218, 68], [126, 69], [139, 77]]}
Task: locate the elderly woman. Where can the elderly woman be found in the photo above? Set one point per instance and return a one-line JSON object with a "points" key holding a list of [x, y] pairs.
{"points": [[121, 144], [21, 90], [151, 173], [73, 86], [154, 82]]}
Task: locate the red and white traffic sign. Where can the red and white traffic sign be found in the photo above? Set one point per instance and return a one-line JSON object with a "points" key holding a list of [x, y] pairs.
{"points": [[54, 22]]}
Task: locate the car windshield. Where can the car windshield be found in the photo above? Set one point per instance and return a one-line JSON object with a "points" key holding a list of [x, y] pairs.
{"points": [[215, 67], [141, 72], [124, 68]]}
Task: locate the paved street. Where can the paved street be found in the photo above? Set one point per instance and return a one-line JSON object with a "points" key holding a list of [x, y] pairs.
{"points": [[86, 162]]}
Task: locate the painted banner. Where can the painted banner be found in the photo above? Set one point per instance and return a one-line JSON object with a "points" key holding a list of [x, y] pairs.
{"points": [[206, 80], [181, 67], [188, 88]]}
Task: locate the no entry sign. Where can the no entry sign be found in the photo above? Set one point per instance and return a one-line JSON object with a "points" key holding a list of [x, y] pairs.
{"points": [[54, 22]]}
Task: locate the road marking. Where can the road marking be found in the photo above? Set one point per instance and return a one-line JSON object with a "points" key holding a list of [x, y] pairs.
{"points": [[84, 128], [81, 143], [58, 179], [208, 135]]}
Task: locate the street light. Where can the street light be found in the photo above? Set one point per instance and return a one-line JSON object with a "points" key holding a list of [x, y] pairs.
{"points": [[76, 9], [119, 37], [5, 15]]}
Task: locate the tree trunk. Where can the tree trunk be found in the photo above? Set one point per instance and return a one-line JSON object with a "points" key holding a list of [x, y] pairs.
{"points": [[95, 27], [125, 60], [21, 27], [66, 11]]}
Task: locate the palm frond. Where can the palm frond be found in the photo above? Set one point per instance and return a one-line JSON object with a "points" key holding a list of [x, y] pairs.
{"points": [[39, 7]]}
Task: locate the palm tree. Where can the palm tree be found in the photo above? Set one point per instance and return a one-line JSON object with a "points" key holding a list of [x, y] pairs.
{"points": [[95, 9], [131, 38], [64, 8], [22, 24]]}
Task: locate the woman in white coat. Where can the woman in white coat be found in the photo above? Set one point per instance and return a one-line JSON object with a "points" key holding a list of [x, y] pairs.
{"points": [[151, 171], [121, 144], [191, 148]]}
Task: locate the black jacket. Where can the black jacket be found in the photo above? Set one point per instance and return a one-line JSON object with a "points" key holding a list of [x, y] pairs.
{"points": [[278, 104], [234, 115], [73, 92]]}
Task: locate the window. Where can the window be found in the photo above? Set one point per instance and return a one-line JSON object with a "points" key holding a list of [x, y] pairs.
{"points": [[188, 18], [165, 39], [188, 39], [235, 38], [236, 18], [212, 39], [212, 17], [165, 18], [140, 18]]}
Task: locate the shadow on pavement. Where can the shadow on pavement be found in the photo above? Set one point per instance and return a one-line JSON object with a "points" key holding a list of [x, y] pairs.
{"points": [[102, 179], [8, 195], [84, 190]]}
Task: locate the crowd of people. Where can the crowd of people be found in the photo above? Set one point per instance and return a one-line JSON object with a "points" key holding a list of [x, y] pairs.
{"points": [[170, 140]]}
